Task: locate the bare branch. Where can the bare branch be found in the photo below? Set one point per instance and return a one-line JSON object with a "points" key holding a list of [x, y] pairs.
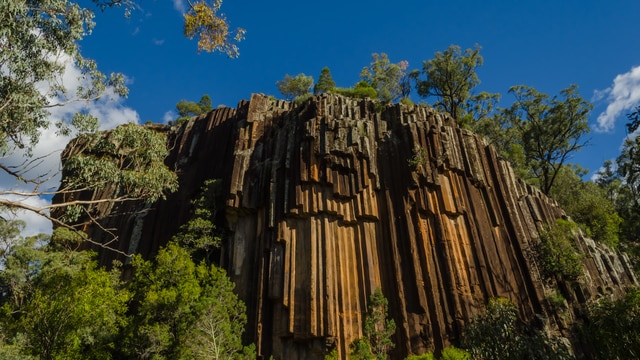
{"points": [[41, 212], [17, 204]]}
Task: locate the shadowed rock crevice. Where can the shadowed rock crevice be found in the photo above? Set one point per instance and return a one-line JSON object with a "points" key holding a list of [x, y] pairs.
{"points": [[328, 200]]}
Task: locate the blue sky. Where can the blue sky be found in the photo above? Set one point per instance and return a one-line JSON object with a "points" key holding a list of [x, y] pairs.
{"points": [[545, 44]]}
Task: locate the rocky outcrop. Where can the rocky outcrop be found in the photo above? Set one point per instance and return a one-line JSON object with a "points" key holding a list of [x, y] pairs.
{"points": [[331, 199]]}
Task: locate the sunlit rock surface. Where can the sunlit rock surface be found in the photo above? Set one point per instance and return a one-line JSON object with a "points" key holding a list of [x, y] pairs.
{"points": [[328, 200]]}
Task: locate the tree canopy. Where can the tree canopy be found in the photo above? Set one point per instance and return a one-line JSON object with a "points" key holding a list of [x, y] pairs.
{"points": [[183, 309], [187, 109], [588, 204], [551, 129], [450, 77], [56, 303], [212, 30], [385, 77], [378, 330], [634, 120], [294, 86], [40, 40], [620, 182], [325, 82], [497, 334]]}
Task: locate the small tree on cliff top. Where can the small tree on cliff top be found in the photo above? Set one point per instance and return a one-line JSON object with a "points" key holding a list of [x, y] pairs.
{"points": [[187, 109], [450, 77], [293, 86], [551, 129], [325, 82], [386, 78]]}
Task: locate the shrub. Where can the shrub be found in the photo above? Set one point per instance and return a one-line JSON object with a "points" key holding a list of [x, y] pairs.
{"points": [[332, 355], [292, 86], [302, 98], [448, 353], [406, 101], [452, 353], [378, 331], [612, 330], [419, 157], [588, 205], [360, 91], [498, 334], [427, 356], [556, 300], [557, 254]]}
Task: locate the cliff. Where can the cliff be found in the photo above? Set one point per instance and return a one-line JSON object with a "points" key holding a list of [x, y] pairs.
{"points": [[331, 199]]}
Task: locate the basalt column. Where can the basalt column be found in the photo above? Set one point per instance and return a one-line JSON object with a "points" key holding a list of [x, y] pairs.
{"points": [[331, 199]]}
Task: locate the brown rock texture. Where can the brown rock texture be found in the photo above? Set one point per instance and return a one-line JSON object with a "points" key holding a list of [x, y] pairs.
{"points": [[328, 200]]}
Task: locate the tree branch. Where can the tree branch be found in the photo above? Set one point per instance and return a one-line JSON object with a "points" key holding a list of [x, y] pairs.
{"points": [[41, 212]]}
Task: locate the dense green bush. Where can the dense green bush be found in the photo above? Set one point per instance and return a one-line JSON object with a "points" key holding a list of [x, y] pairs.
{"points": [[360, 91], [302, 98], [427, 356], [294, 86], [448, 353], [587, 204], [612, 330], [419, 157], [498, 334], [557, 254], [378, 330], [452, 353], [407, 102]]}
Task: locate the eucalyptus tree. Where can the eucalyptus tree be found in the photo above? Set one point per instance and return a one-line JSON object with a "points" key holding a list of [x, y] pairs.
{"points": [[55, 302], [551, 129], [183, 310], [385, 77], [187, 109], [634, 120], [451, 77], [39, 42], [626, 193], [378, 331], [295, 86], [588, 203]]}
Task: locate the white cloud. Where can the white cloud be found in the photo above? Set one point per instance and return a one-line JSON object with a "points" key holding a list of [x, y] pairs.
{"points": [[109, 110], [623, 95], [180, 6], [35, 224], [157, 42], [169, 116], [599, 94]]}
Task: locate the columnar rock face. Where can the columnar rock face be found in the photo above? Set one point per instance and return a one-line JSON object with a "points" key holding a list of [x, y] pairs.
{"points": [[331, 199]]}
